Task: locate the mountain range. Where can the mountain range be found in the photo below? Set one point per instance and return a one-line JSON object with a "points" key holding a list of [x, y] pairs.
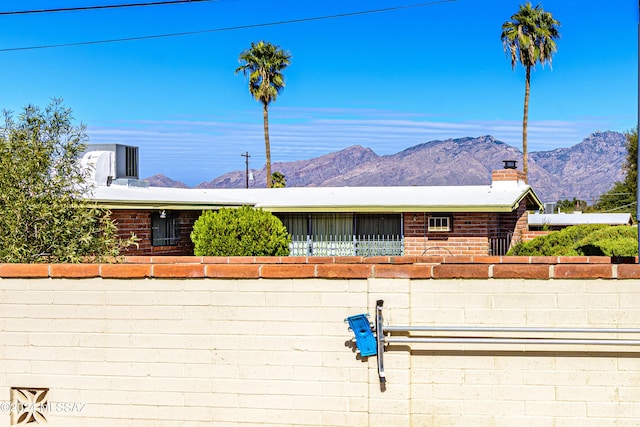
{"points": [[584, 171]]}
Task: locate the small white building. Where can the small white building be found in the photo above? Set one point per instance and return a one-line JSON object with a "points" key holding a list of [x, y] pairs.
{"points": [[538, 221]]}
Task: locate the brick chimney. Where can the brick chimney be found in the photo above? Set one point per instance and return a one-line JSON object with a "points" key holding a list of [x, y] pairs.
{"points": [[509, 173]]}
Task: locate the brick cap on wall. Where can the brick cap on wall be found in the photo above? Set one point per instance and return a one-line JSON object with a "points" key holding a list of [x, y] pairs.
{"points": [[413, 267]]}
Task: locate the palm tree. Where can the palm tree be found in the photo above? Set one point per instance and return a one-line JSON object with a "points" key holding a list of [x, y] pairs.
{"points": [[278, 180], [529, 38], [263, 63]]}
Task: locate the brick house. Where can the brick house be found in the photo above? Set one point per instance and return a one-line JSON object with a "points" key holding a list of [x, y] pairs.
{"points": [[333, 221]]}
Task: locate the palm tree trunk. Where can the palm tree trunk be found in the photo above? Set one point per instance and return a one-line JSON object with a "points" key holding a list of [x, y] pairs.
{"points": [[525, 119], [267, 145]]}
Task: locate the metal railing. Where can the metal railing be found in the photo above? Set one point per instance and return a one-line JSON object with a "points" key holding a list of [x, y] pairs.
{"points": [[487, 335], [367, 246], [500, 245]]}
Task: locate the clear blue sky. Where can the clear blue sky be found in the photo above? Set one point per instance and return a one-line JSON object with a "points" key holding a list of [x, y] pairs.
{"points": [[386, 81]]}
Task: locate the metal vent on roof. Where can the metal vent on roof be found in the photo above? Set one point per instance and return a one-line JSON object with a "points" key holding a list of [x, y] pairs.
{"points": [[550, 207]]}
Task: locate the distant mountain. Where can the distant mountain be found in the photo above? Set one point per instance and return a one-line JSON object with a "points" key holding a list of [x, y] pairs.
{"points": [[302, 173], [159, 180], [584, 171]]}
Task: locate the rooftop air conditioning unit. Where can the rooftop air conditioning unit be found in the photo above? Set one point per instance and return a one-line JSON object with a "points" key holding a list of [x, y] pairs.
{"points": [[125, 158], [100, 166], [550, 207]]}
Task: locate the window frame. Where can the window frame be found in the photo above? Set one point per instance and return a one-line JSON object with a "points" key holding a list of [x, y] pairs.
{"points": [[169, 224], [440, 228]]}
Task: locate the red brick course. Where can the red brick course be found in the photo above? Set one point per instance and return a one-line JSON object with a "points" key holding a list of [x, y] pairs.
{"points": [[467, 271], [344, 271], [24, 270], [72, 271], [628, 271], [521, 271], [583, 271], [125, 271], [429, 267]]}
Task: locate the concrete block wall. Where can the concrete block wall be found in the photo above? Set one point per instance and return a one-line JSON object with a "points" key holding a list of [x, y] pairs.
{"points": [[196, 341]]}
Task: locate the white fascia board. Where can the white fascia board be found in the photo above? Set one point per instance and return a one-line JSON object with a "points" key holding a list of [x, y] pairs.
{"points": [[322, 199]]}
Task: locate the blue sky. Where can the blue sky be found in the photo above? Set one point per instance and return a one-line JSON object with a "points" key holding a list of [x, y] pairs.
{"points": [[386, 81]]}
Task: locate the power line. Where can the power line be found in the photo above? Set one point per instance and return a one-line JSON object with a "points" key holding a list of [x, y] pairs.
{"points": [[235, 28], [620, 207], [113, 6]]}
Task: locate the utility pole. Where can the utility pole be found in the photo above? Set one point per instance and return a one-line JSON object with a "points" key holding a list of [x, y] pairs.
{"points": [[246, 169]]}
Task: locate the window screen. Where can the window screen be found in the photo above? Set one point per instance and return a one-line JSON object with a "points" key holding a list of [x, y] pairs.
{"points": [[164, 229]]}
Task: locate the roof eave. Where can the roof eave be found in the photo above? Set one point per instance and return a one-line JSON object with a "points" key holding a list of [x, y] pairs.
{"points": [[153, 205], [390, 209], [533, 201]]}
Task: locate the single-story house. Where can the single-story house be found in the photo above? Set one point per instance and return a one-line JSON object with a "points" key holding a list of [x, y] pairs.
{"points": [[364, 221]]}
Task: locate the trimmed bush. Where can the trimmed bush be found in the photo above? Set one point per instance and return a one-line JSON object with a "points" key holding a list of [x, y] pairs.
{"points": [[611, 241], [240, 232], [555, 243], [582, 240]]}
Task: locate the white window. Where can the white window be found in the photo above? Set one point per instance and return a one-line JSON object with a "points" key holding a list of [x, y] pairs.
{"points": [[439, 223]]}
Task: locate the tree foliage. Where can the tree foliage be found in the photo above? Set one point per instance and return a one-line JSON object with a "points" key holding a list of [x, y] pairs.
{"points": [[240, 232], [623, 196], [278, 180], [529, 38], [567, 205], [579, 240], [263, 64], [44, 216]]}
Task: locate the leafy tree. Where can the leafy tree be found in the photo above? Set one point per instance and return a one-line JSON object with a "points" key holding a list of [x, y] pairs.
{"points": [[263, 63], [44, 215], [622, 197], [278, 180], [240, 232], [529, 38]]}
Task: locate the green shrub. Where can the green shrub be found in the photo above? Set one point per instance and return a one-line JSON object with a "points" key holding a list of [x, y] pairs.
{"points": [[611, 241], [240, 232], [623, 247], [556, 243]]}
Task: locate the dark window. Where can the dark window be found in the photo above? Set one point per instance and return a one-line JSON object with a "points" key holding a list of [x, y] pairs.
{"points": [[296, 224], [164, 229], [378, 224]]}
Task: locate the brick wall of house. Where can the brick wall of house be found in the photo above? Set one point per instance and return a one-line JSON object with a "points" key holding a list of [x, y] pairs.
{"points": [[517, 222], [470, 235], [532, 234], [138, 222]]}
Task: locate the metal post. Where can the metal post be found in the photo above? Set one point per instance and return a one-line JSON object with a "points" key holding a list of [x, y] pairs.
{"points": [[246, 169], [380, 338]]}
